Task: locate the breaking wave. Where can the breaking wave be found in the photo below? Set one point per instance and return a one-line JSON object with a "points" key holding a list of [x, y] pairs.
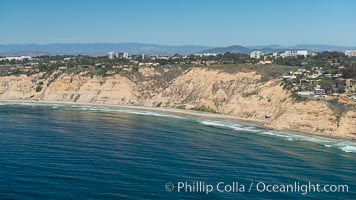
{"points": [[349, 149], [346, 146]]}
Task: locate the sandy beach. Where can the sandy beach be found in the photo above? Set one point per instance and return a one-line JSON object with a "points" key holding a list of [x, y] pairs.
{"points": [[155, 109]]}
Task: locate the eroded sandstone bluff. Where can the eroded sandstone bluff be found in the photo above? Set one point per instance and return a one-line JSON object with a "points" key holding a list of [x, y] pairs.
{"points": [[242, 94]]}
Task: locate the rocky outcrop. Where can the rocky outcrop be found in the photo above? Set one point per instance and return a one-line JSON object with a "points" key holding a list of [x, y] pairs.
{"points": [[314, 116], [80, 88], [242, 94], [18, 87], [347, 125]]}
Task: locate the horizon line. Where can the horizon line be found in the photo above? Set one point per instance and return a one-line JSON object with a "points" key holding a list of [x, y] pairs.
{"points": [[175, 45]]}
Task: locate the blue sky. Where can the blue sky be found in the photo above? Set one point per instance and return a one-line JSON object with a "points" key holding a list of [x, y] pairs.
{"points": [[179, 22]]}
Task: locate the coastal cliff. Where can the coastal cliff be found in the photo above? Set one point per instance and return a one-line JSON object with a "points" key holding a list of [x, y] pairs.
{"points": [[245, 94]]}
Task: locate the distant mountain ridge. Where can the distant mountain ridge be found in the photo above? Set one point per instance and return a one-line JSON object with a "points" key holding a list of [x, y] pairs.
{"points": [[231, 49], [101, 49], [96, 49], [320, 47], [277, 48]]}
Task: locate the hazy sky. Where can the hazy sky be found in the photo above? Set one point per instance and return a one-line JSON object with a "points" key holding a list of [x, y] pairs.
{"points": [[178, 22]]}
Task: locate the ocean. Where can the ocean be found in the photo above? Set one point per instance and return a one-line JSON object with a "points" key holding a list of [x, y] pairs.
{"points": [[91, 152]]}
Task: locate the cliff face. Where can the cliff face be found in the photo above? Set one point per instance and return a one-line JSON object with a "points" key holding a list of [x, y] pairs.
{"points": [[242, 94], [69, 88], [78, 88]]}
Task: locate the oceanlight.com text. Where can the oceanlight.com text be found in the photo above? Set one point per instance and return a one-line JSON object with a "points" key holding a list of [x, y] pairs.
{"points": [[259, 187]]}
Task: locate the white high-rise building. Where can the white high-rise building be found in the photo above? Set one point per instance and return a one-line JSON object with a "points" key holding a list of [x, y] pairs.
{"points": [[111, 55], [124, 55], [256, 54], [350, 53], [294, 53], [302, 53]]}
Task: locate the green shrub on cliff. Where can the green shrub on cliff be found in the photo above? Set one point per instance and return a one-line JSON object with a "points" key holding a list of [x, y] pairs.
{"points": [[39, 86], [204, 109]]}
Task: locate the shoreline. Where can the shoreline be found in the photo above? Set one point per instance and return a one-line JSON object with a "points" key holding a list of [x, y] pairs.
{"points": [[184, 112]]}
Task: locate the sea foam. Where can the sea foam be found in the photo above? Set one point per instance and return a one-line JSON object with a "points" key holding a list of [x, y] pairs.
{"points": [[345, 146], [349, 149], [130, 111]]}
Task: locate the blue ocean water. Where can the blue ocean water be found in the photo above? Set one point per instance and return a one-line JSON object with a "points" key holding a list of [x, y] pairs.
{"points": [[81, 152]]}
